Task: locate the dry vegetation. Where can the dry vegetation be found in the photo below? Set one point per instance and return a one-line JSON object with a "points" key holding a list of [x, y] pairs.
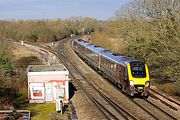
{"points": [[45, 30]]}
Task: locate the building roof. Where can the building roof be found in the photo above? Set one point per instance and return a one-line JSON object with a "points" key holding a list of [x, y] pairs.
{"points": [[46, 68]]}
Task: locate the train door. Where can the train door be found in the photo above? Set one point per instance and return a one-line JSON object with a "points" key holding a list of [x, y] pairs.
{"points": [[99, 61], [123, 77], [126, 80], [117, 74], [121, 73]]}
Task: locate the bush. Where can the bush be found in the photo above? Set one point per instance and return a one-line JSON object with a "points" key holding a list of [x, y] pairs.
{"points": [[7, 66]]}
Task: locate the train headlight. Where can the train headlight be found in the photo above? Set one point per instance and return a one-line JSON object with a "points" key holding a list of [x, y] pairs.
{"points": [[132, 83], [147, 84]]}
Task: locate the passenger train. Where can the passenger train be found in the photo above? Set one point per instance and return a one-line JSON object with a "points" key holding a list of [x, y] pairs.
{"points": [[129, 74]]}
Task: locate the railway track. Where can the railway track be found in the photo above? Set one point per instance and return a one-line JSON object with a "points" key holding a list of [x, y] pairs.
{"points": [[171, 103], [107, 106], [151, 108], [155, 111]]}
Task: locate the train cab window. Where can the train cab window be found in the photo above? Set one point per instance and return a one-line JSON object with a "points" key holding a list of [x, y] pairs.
{"points": [[138, 70]]}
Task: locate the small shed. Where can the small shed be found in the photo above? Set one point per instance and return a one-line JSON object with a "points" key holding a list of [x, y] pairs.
{"points": [[46, 83]]}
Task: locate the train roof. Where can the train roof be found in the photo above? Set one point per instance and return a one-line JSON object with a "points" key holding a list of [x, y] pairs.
{"points": [[96, 49], [82, 42], [92, 47], [116, 57], [113, 56]]}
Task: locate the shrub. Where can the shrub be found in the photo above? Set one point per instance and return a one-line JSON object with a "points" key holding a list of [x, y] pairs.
{"points": [[7, 66]]}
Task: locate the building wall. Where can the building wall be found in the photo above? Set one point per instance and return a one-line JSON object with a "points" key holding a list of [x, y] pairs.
{"points": [[46, 78], [40, 89]]}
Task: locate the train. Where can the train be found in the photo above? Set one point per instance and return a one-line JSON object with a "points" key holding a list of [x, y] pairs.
{"points": [[127, 73]]}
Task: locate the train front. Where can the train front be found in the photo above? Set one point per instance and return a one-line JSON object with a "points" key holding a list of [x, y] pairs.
{"points": [[139, 79]]}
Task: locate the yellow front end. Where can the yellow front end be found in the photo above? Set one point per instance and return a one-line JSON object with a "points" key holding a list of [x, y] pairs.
{"points": [[138, 85]]}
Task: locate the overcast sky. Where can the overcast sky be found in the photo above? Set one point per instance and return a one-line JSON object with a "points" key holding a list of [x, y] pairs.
{"points": [[50, 9]]}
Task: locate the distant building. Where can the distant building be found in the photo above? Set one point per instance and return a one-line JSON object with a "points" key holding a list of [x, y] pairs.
{"points": [[46, 83]]}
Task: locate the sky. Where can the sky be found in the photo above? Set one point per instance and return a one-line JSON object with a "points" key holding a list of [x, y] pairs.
{"points": [[55, 9]]}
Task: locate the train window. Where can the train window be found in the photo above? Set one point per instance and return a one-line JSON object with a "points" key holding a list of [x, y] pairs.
{"points": [[112, 66], [102, 61], [138, 70], [106, 63]]}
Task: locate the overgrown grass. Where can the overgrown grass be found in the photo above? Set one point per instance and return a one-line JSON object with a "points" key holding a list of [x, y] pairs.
{"points": [[41, 111]]}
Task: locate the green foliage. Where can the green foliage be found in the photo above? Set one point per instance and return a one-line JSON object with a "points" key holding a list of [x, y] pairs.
{"points": [[6, 65], [23, 62], [41, 111]]}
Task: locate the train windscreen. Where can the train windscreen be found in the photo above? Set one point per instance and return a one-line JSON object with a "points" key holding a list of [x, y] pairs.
{"points": [[138, 70]]}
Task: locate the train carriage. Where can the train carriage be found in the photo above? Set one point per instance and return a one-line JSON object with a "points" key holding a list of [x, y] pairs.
{"points": [[109, 66], [127, 73], [93, 56]]}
